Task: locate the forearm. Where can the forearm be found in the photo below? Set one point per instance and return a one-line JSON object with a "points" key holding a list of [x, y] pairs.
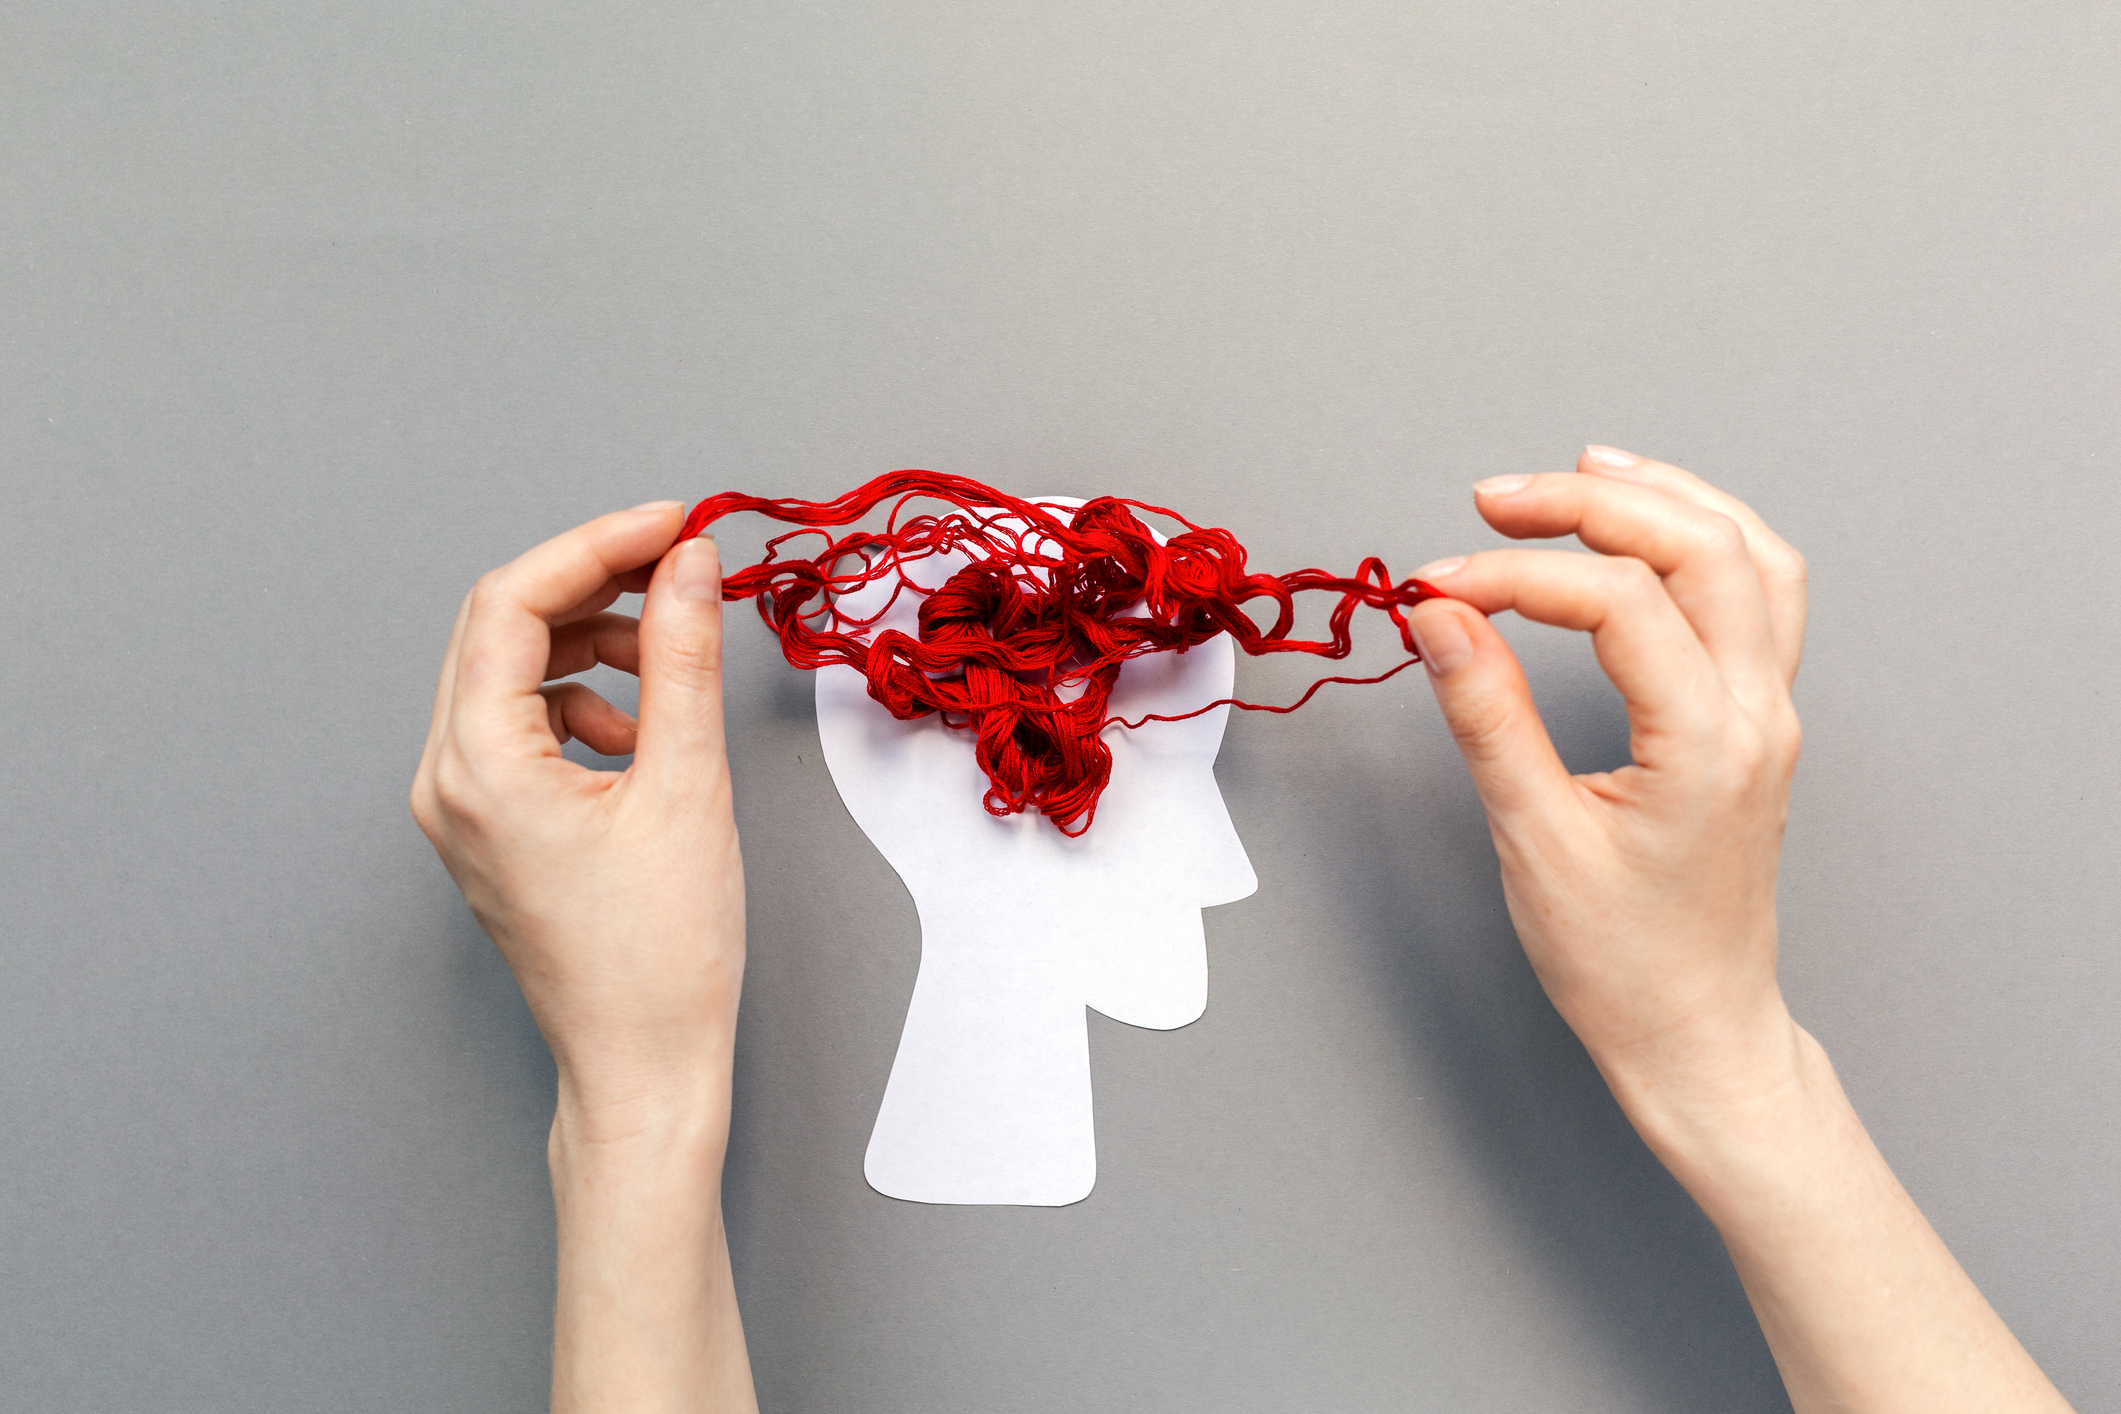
{"points": [[646, 1318], [1862, 1304]]}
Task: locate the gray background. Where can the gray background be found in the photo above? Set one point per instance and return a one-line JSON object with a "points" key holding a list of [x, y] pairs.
{"points": [[313, 311]]}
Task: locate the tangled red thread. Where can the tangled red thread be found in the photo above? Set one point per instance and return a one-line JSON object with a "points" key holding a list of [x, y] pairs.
{"points": [[1022, 646]]}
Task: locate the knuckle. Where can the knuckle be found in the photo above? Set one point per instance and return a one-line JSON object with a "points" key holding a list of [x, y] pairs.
{"points": [[425, 813], [693, 660], [1736, 764], [562, 703], [1787, 732], [492, 591], [1722, 535], [1633, 578], [1759, 754], [454, 787], [1482, 729]]}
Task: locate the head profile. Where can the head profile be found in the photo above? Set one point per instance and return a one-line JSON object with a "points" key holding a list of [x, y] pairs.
{"points": [[1022, 925]]}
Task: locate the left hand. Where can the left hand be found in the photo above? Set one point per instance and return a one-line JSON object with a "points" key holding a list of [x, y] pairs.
{"points": [[617, 898]]}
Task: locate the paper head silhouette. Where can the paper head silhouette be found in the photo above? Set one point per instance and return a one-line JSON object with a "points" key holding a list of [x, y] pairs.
{"points": [[989, 1099]]}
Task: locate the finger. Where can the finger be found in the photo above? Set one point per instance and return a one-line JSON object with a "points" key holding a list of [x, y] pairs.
{"points": [[681, 672], [1488, 706], [507, 639], [1782, 570], [1699, 553], [574, 713], [611, 639], [598, 600], [1644, 644]]}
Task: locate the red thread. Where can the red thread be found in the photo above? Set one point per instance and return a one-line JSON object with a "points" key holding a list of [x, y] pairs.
{"points": [[1046, 603]]}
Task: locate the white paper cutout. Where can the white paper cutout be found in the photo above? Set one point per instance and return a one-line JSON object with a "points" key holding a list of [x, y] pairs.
{"points": [[1022, 927]]}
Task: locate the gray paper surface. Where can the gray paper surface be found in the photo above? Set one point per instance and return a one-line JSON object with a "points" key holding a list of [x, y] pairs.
{"points": [[309, 313]]}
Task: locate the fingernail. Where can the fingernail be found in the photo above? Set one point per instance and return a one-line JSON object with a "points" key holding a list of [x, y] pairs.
{"points": [[1611, 458], [1443, 642], [657, 506], [1440, 569], [698, 572], [1501, 485]]}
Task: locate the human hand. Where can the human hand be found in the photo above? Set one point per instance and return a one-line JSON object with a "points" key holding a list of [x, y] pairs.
{"points": [[617, 898], [1645, 897]]}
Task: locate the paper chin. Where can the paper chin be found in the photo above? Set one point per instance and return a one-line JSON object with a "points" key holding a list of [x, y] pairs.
{"points": [[1023, 928]]}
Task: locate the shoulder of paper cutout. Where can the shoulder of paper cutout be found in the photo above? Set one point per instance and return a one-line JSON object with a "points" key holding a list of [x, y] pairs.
{"points": [[1023, 924]]}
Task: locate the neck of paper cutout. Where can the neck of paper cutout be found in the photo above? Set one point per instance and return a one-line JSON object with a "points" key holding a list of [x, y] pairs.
{"points": [[1021, 647]]}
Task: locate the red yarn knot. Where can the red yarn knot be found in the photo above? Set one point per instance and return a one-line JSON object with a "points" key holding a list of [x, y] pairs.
{"points": [[1022, 646]]}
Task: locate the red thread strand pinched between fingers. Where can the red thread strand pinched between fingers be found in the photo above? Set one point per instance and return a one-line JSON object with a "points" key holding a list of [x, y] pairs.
{"points": [[1023, 645]]}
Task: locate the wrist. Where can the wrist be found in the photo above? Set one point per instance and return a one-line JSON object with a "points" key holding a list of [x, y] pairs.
{"points": [[1691, 1088], [668, 1174], [1752, 1129], [1715, 1050], [642, 1114]]}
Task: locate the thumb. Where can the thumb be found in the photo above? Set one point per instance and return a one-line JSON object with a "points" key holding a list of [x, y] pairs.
{"points": [[1488, 704], [681, 669]]}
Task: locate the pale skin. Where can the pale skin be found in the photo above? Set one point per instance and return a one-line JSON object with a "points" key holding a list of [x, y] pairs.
{"points": [[1644, 897]]}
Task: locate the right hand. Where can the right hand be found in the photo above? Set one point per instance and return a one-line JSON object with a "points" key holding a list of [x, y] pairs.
{"points": [[1645, 897]]}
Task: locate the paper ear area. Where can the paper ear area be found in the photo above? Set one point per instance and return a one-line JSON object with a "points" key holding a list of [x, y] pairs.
{"points": [[1022, 928]]}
